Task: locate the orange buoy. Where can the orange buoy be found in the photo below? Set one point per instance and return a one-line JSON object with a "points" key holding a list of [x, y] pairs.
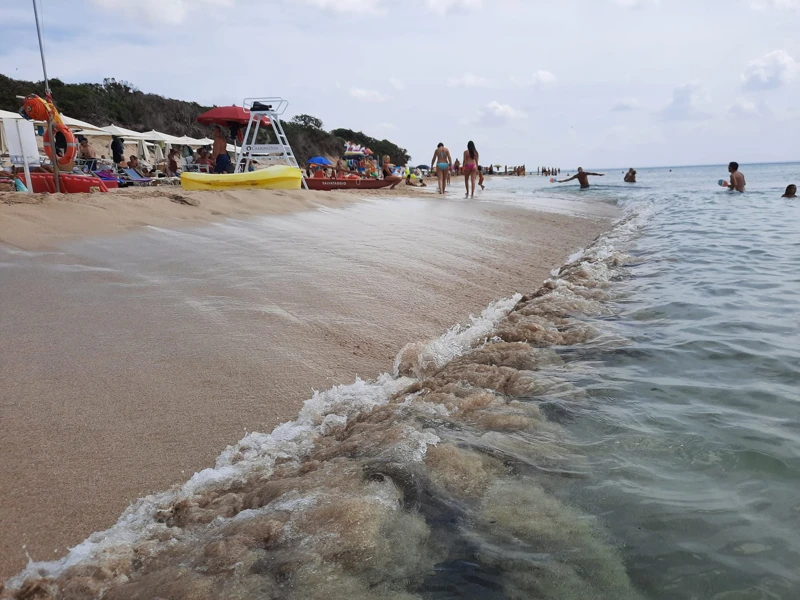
{"points": [[37, 109], [71, 149]]}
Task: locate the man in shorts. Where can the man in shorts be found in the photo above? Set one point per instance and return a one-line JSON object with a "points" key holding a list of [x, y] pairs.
{"points": [[220, 156]]}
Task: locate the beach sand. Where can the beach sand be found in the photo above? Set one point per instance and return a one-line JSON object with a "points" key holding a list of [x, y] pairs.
{"points": [[35, 221], [130, 361]]}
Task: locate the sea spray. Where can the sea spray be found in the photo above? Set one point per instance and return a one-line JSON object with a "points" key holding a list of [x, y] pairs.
{"points": [[385, 489]]}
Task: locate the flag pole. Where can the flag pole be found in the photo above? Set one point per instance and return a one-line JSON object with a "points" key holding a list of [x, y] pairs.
{"points": [[51, 135]]}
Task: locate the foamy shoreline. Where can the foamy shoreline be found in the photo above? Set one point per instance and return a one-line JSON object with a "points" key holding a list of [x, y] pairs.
{"points": [[480, 253]]}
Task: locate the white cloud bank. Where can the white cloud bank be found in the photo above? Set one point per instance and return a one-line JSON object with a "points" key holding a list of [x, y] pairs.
{"points": [[540, 78], [769, 72], [495, 114], [688, 104], [469, 80], [368, 95]]}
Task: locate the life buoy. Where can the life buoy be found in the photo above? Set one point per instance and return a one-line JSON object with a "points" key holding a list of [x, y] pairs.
{"points": [[71, 149]]}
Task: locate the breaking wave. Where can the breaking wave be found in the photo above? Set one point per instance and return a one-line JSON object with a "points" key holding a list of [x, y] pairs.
{"points": [[441, 479]]}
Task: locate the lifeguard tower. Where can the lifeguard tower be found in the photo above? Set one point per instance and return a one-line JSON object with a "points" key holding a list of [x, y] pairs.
{"points": [[265, 112]]}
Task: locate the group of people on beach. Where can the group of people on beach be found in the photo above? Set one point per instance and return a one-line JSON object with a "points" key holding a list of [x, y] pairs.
{"points": [[442, 163]]}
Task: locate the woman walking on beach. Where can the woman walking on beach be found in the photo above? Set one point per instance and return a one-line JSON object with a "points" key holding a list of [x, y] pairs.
{"points": [[443, 161], [471, 158]]}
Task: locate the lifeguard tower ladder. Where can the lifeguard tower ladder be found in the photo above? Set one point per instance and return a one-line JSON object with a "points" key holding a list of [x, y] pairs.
{"points": [[281, 152]]}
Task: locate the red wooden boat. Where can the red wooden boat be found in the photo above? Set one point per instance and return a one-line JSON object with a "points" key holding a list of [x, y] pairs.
{"points": [[346, 184], [70, 184]]}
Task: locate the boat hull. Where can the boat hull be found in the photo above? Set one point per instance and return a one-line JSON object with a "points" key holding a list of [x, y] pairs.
{"points": [[346, 184], [278, 177]]}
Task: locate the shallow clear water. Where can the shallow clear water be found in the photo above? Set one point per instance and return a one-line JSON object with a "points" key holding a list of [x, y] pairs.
{"points": [[692, 430]]}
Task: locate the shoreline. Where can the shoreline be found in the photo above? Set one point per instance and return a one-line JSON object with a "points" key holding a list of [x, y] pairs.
{"points": [[171, 384]]}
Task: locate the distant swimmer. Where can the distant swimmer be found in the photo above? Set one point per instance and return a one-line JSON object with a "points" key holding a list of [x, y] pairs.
{"points": [[443, 161], [583, 177], [737, 177], [630, 176], [791, 191]]}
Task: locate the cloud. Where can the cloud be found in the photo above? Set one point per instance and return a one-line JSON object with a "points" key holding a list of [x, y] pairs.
{"points": [[687, 104], [385, 127], [769, 72], [397, 84], [540, 78], [742, 108], [164, 12], [633, 3], [625, 105], [763, 5], [444, 7], [350, 7], [495, 114], [368, 95], [469, 80]]}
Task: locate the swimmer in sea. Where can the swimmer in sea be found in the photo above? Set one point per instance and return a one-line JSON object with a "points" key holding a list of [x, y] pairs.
{"points": [[470, 167], [443, 161], [630, 176], [582, 177], [791, 191], [737, 178]]}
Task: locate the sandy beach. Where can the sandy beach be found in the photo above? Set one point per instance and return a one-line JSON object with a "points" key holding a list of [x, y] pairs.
{"points": [[130, 361]]}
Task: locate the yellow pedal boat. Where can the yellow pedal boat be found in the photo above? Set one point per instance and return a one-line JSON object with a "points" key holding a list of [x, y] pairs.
{"points": [[277, 177]]}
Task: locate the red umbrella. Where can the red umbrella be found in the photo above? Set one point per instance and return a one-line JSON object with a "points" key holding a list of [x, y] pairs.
{"points": [[226, 115]]}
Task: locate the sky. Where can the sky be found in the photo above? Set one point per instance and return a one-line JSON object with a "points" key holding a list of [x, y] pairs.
{"points": [[598, 83]]}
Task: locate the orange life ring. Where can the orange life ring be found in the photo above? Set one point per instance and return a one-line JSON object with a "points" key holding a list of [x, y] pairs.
{"points": [[71, 150]]}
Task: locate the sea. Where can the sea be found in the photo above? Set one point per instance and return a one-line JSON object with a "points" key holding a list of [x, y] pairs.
{"points": [[628, 430]]}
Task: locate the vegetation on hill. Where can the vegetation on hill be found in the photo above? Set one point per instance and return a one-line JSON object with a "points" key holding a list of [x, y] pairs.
{"points": [[122, 104]]}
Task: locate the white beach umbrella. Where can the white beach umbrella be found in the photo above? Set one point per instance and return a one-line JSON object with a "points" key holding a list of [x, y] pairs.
{"points": [[157, 136], [144, 151], [78, 124], [4, 114], [122, 132]]}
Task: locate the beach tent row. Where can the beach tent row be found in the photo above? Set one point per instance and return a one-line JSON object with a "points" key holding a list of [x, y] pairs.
{"points": [[131, 137]]}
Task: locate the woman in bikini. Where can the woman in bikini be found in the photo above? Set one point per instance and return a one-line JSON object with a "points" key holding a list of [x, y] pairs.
{"points": [[470, 167], [443, 160], [388, 175]]}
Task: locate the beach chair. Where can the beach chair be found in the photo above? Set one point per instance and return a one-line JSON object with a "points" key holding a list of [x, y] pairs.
{"points": [[137, 179]]}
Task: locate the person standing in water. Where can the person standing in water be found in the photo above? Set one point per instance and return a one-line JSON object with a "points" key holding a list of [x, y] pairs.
{"points": [[630, 176], [582, 177], [737, 178], [791, 191], [470, 167], [443, 161]]}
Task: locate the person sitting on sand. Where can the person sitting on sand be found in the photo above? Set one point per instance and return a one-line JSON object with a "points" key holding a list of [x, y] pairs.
{"points": [[387, 173], [443, 161], [791, 191], [582, 177], [630, 176], [737, 178]]}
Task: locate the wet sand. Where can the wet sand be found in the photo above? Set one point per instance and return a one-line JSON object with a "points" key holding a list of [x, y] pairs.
{"points": [[129, 362]]}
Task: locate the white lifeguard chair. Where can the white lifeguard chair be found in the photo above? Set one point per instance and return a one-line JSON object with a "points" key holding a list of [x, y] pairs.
{"points": [[281, 152]]}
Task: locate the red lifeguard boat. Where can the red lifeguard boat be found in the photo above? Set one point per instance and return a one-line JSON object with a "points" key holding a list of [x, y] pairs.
{"points": [[315, 183]]}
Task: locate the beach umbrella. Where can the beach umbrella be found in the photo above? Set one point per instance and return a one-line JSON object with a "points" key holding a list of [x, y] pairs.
{"points": [[320, 160], [226, 115], [122, 132], [424, 167]]}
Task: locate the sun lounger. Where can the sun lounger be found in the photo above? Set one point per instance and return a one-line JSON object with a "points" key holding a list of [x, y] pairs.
{"points": [[136, 178]]}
